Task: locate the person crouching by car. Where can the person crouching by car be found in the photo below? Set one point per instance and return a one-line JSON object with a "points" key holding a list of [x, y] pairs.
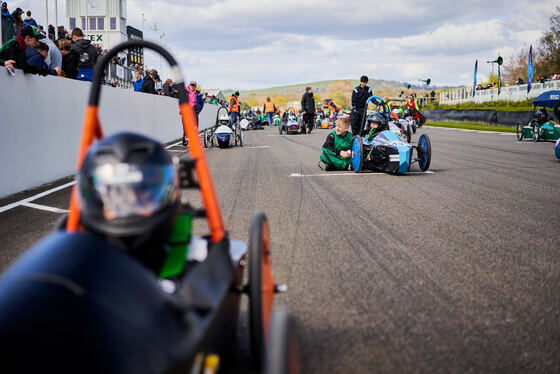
{"points": [[337, 153]]}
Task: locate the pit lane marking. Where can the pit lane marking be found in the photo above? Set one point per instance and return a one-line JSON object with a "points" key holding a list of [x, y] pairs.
{"points": [[44, 207], [26, 201], [300, 175]]}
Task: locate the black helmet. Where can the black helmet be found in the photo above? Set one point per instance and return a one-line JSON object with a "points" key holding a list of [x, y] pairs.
{"points": [[542, 114], [128, 190], [380, 120]]}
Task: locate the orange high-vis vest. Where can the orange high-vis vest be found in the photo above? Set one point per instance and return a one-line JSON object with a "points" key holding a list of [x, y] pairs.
{"points": [[235, 106], [269, 107]]}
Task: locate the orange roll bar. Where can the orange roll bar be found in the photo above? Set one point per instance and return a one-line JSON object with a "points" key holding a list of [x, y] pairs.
{"points": [[209, 199]]}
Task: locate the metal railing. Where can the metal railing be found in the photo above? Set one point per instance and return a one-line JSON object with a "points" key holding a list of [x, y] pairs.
{"points": [[510, 93]]}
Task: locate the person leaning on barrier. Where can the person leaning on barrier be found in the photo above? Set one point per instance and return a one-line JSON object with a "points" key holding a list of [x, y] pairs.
{"points": [[138, 80], [87, 52], [12, 53], [70, 60], [36, 57], [149, 84]]}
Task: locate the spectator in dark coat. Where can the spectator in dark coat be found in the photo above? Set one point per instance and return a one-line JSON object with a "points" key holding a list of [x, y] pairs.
{"points": [[149, 84], [87, 55], [70, 59], [168, 89]]}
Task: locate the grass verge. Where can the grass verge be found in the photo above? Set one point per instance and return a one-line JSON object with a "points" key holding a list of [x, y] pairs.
{"points": [[471, 126]]}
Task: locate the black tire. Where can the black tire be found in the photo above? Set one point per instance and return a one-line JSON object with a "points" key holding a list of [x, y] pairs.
{"points": [[425, 164], [536, 132], [205, 135], [280, 128], [520, 131], [256, 303], [60, 224], [408, 133], [240, 136], [414, 128], [283, 345], [235, 137]]}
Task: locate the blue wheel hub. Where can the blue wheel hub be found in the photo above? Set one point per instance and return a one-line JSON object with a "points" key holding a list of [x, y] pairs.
{"points": [[356, 154]]}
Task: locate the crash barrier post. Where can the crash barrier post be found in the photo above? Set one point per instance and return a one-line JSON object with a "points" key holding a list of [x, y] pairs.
{"points": [[487, 116]]}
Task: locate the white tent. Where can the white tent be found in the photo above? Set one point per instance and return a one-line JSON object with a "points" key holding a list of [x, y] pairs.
{"points": [[218, 93]]}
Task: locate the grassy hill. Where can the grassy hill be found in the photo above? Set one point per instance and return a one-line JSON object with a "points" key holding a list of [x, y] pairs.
{"points": [[339, 90]]}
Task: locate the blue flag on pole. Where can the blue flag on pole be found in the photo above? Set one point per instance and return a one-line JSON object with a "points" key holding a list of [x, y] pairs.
{"points": [[530, 69], [474, 80]]}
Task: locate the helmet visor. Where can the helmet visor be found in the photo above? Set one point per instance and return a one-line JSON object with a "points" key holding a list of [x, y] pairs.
{"points": [[125, 190]]}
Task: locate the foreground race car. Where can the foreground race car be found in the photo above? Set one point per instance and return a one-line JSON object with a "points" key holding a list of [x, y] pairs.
{"points": [[76, 303], [223, 135], [388, 152], [540, 127]]}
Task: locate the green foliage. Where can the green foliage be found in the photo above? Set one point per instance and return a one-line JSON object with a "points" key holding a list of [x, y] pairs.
{"points": [[472, 126]]}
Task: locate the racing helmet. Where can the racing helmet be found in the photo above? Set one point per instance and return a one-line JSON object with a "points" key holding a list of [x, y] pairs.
{"points": [[223, 118], [381, 121], [542, 114], [128, 192]]}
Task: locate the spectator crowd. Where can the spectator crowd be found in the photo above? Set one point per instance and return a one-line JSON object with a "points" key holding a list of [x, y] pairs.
{"points": [[26, 46]]}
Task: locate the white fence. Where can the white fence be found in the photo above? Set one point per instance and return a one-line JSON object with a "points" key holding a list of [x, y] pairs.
{"points": [[42, 118], [511, 93]]}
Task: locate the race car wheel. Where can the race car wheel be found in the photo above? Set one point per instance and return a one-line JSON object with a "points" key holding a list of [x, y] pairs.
{"points": [[414, 128], [519, 131], [408, 133], [239, 136], [536, 132], [205, 136], [283, 355], [357, 154], [261, 287], [424, 151], [280, 128]]}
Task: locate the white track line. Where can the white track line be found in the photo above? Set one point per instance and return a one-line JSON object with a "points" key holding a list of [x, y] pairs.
{"points": [[44, 207], [48, 192], [29, 199], [299, 175], [257, 146]]}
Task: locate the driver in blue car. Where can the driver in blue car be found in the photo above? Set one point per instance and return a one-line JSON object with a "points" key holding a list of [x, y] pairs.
{"points": [[376, 125]]}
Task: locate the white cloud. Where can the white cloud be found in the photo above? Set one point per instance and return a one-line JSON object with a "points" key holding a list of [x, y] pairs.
{"points": [[251, 43]]}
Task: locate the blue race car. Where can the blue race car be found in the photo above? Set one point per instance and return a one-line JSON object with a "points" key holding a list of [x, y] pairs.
{"points": [[385, 150]]}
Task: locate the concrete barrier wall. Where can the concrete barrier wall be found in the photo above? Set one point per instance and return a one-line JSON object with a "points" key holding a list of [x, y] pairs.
{"points": [[41, 123], [488, 116]]}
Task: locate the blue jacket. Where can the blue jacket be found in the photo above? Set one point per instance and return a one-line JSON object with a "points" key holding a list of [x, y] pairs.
{"points": [[34, 58], [199, 102], [29, 22], [138, 84]]}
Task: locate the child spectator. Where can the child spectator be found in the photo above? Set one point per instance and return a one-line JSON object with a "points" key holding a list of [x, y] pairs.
{"points": [[36, 57], [70, 59], [337, 148], [138, 80]]}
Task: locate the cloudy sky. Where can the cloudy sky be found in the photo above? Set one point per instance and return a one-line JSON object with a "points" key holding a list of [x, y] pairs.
{"points": [[253, 43]]}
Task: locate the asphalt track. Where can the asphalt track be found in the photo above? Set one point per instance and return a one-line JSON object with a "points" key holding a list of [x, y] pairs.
{"points": [[453, 271]]}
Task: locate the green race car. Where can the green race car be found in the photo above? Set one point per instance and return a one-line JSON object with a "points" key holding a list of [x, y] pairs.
{"points": [[541, 126]]}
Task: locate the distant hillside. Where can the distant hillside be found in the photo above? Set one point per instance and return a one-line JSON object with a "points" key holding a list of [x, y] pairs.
{"points": [[339, 90], [319, 87]]}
